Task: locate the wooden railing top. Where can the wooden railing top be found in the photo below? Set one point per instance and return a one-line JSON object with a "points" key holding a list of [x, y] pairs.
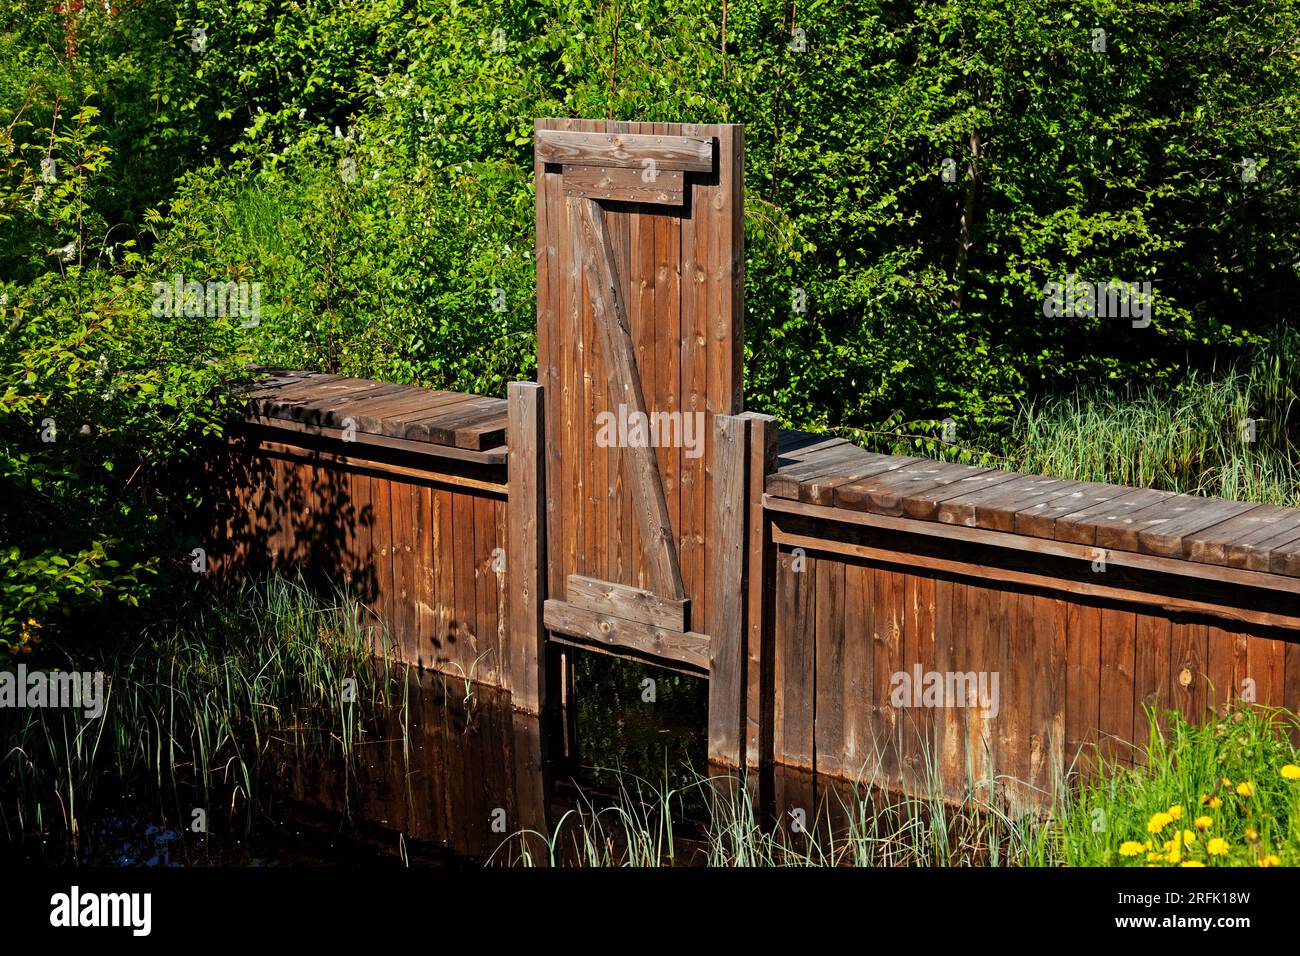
{"points": [[380, 413], [1213, 531]]}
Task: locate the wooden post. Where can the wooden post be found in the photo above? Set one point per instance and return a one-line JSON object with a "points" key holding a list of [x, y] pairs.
{"points": [[526, 549], [760, 558], [727, 650]]}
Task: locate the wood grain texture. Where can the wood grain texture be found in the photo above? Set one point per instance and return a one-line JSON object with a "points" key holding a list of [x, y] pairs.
{"points": [[624, 184], [726, 623], [615, 147], [642, 639]]}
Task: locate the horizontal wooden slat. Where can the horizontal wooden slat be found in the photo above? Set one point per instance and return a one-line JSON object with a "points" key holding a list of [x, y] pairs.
{"points": [[641, 639], [1005, 576], [429, 473], [1209, 531], [378, 413], [625, 184], [1020, 542], [488, 456], [689, 153], [629, 603]]}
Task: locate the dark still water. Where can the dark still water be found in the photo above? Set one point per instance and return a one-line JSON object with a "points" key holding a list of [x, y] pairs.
{"points": [[452, 776]]}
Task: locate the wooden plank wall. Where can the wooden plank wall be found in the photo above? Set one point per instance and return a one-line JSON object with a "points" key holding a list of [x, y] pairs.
{"points": [[1075, 676], [681, 283], [426, 554]]}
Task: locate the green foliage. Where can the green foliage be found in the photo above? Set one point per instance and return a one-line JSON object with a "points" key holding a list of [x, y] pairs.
{"points": [[1223, 780], [103, 405], [369, 163], [196, 703]]}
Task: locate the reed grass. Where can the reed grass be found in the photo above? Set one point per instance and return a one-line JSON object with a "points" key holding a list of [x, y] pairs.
{"points": [[196, 703], [1233, 435], [1098, 823]]}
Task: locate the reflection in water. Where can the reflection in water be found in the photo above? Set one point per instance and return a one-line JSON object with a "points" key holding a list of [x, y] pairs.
{"points": [[452, 776]]}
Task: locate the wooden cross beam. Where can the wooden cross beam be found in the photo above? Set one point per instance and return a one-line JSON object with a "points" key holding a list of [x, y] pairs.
{"points": [[648, 501]]}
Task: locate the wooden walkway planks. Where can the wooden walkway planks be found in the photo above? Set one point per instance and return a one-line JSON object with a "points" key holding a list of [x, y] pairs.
{"points": [[372, 411], [832, 472]]}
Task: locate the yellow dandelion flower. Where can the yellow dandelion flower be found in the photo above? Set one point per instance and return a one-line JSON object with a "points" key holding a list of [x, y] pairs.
{"points": [[1189, 837], [1152, 857], [1216, 802], [1130, 848], [1217, 846], [1158, 822], [1203, 823], [1191, 863], [1246, 789], [1175, 812], [1290, 772], [1226, 782], [1271, 860]]}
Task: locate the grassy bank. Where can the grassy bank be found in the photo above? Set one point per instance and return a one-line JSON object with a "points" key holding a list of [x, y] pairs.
{"points": [[1232, 436], [1221, 794]]}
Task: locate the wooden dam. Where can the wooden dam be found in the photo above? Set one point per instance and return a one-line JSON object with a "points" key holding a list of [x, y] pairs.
{"points": [[626, 503]]}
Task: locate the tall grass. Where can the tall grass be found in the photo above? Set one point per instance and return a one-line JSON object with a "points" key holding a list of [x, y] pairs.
{"points": [[1236, 779], [1235, 435], [194, 706]]}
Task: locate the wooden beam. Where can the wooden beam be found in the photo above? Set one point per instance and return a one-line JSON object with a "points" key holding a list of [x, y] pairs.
{"points": [[627, 602], [649, 503], [633, 150], [427, 474], [760, 589], [1046, 546], [489, 456], [526, 550], [625, 184], [909, 560], [646, 641], [727, 683]]}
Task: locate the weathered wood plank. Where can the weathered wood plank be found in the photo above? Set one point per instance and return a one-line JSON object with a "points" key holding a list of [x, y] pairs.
{"points": [[637, 151], [1240, 534], [820, 489], [828, 630], [786, 482], [883, 493], [688, 648], [1082, 673], [650, 506], [627, 602], [526, 548], [795, 651], [857, 727], [1172, 536], [1152, 680], [1116, 685], [730, 574], [996, 507], [760, 553], [1081, 526], [992, 499], [624, 184]]}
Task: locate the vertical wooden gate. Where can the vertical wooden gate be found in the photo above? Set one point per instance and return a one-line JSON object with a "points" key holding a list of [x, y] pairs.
{"points": [[640, 346]]}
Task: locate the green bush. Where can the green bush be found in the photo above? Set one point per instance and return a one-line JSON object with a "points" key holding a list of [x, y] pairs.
{"points": [[369, 164]]}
